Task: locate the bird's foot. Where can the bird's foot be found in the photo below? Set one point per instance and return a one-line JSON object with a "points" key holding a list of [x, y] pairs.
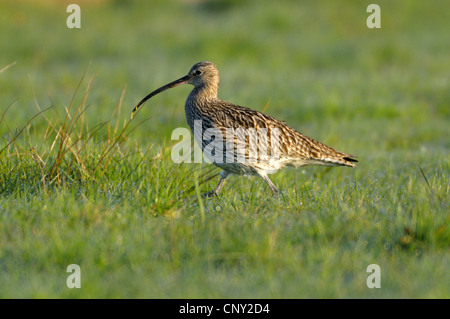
{"points": [[209, 194], [204, 195]]}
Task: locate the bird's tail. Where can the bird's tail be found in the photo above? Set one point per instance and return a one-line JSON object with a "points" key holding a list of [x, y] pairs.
{"points": [[347, 160]]}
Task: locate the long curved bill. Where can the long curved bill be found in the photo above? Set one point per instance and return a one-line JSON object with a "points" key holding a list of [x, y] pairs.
{"points": [[170, 85]]}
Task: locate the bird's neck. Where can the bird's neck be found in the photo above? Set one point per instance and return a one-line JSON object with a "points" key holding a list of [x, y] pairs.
{"points": [[204, 93], [198, 103]]}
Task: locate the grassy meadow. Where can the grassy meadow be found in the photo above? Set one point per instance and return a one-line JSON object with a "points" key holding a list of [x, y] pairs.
{"points": [[81, 183]]}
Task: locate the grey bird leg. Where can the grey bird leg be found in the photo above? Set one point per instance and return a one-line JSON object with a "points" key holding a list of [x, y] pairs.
{"points": [[216, 191], [273, 188]]}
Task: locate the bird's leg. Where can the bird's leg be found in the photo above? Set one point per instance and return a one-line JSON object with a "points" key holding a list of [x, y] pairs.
{"points": [[273, 188], [216, 191]]}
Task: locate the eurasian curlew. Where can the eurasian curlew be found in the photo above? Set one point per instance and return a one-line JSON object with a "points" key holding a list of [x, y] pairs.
{"points": [[243, 141]]}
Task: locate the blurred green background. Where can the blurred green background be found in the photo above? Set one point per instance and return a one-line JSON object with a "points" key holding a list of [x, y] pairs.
{"points": [[310, 59], [382, 94]]}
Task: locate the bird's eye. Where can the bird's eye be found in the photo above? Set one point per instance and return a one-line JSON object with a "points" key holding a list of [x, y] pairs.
{"points": [[198, 72]]}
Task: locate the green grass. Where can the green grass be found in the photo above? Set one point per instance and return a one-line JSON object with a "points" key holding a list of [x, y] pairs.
{"points": [[81, 184]]}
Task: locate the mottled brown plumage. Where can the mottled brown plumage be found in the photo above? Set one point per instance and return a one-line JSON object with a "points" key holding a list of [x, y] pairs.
{"points": [[241, 140]]}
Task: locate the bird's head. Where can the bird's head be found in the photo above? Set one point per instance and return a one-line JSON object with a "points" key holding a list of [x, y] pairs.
{"points": [[202, 75]]}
